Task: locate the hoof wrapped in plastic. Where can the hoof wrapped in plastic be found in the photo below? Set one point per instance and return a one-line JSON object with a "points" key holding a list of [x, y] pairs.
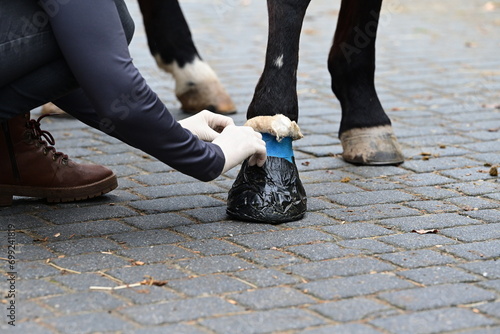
{"points": [[270, 194]]}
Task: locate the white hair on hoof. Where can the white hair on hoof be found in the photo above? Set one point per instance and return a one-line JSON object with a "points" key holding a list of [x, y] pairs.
{"points": [[277, 125]]}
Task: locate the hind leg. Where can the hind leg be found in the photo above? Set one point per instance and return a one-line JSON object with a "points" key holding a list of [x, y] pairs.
{"points": [[197, 86], [365, 130]]}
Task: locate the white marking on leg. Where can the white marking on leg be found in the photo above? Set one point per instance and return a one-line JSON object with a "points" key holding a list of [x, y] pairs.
{"points": [[279, 61], [191, 74]]}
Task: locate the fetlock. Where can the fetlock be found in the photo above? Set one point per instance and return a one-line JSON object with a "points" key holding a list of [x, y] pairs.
{"points": [[31, 166]]}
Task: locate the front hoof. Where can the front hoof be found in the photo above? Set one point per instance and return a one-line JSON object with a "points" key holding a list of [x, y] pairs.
{"points": [[272, 194], [371, 146]]}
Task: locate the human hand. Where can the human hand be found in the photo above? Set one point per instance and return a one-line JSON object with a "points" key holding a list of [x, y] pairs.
{"points": [[241, 142], [206, 125]]}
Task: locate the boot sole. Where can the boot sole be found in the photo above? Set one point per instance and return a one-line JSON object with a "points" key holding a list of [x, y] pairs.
{"points": [[58, 195]]}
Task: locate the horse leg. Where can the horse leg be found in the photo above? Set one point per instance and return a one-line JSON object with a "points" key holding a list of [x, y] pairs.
{"points": [[196, 85], [274, 193], [365, 130]]}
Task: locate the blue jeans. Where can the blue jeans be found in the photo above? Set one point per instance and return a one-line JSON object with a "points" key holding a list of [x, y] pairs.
{"points": [[32, 68]]}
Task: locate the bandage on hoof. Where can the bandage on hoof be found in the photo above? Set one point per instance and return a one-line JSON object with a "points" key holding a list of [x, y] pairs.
{"points": [[270, 194], [371, 146]]}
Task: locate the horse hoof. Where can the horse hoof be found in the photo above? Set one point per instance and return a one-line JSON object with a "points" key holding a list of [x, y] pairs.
{"points": [[270, 194], [211, 96], [371, 146]]}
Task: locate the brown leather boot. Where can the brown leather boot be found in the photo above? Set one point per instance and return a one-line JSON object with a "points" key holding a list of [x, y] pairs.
{"points": [[30, 166]]}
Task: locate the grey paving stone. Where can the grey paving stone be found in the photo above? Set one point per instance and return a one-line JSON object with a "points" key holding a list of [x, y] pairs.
{"points": [[325, 189], [162, 272], [28, 310], [268, 321], [492, 285], [433, 206], [162, 220], [77, 214], [357, 230], [32, 252], [281, 238], [21, 239], [433, 321], [438, 296], [82, 282], [491, 216], [155, 179], [207, 215], [173, 190], [422, 179], [215, 264], [222, 229], [371, 197], [371, 212], [208, 285], [438, 275], [212, 247], [177, 329], [476, 188], [164, 205], [179, 310], [470, 203], [146, 294], [147, 238], [157, 253], [429, 222], [418, 258], [375, 172], [25, 327], [90, 262], [488, 269], [89, 301], [354, 286], [82, 246], [435, 192], [20, 221], [367, 246], [270, 298], [416, 241], [30, 269], [89, 229], [475, 250], [270, 257], [266, 277], [88, 323], [474, 233], [322, 251], [352, 309], [341, 329], [436, 164], [34, 288]]}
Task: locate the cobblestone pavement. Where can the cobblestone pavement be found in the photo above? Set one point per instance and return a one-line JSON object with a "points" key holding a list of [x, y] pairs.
{"points": [[353, 264]]}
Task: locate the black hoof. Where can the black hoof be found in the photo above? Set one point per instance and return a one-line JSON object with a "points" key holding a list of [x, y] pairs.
{"points": [[272, 194]]}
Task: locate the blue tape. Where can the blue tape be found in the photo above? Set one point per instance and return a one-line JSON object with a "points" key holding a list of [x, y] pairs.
{"points": [[281, 149]]}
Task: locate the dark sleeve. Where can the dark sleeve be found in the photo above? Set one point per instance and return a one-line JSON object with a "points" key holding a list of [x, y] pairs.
{"points": [[93, 43]]}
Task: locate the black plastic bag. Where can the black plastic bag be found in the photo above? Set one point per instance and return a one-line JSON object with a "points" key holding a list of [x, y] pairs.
{"points": [[270, 194]]}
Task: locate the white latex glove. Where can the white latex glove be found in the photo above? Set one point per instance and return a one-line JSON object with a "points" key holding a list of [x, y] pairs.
{"points": [[206, 125], [240, 142]]}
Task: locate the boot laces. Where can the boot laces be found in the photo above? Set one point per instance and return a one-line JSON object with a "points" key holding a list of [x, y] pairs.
{"points": [[38, 134]]}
